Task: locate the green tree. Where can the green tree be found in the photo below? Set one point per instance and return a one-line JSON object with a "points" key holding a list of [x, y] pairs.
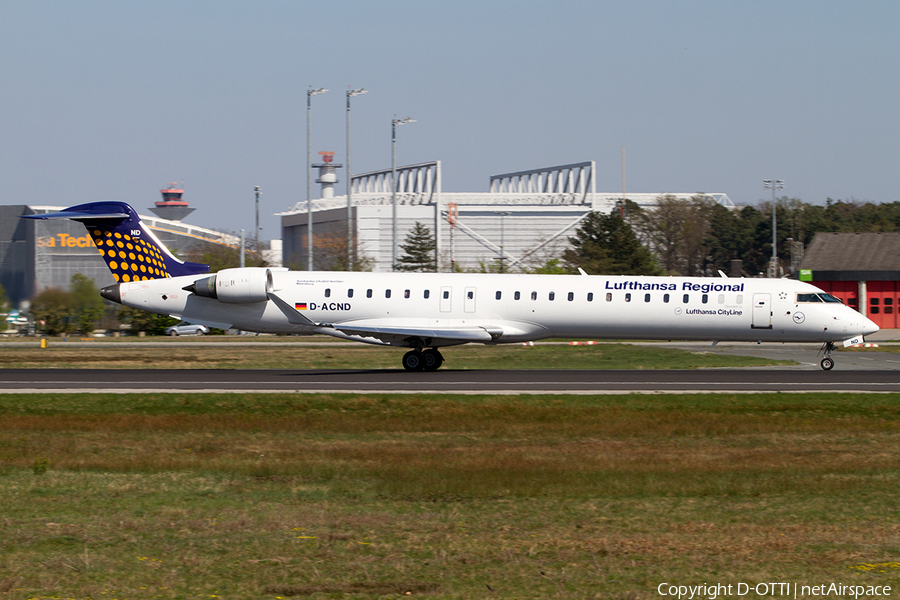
{"points": [[607, 244], [418, 251], [4, 308], [88, 307], [141, 320], [53, 309]]}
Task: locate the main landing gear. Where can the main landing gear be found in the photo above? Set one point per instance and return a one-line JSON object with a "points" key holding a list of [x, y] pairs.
{"points": [[827, 363], [423, 360]]}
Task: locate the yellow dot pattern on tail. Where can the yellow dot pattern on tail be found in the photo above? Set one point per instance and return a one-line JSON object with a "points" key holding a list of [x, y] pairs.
{"points": [[129, 258]]}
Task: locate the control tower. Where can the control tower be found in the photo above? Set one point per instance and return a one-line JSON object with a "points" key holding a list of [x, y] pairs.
{"points": [[327, 174], [172, 207]]}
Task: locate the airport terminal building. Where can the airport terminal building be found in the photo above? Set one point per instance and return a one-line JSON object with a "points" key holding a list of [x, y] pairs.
{"points": [[524, 219]]}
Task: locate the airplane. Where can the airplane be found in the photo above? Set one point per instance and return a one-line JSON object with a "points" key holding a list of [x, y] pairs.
{"points": [[428, 311]]}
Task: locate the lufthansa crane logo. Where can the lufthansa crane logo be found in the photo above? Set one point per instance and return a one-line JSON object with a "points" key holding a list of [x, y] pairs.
{"points": [[799, 317]]}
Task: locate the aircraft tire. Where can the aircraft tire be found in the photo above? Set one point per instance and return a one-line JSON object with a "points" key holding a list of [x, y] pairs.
{"points": [[413, 361], [433, 359], [827, 363]]}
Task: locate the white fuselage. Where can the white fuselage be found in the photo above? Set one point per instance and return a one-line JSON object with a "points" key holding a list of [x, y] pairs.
{"points": [[515, 308]]}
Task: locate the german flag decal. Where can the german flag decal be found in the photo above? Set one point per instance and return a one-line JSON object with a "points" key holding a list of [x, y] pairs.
{"points": [[300, 306]]}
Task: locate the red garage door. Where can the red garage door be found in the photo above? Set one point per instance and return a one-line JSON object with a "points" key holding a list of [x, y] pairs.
{"points": [[882, 299]]}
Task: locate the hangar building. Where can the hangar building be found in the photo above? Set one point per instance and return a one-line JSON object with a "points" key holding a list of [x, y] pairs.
{"points": [[523, 220]]}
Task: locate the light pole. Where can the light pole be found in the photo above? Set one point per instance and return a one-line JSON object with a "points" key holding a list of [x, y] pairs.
{"points": [[309, 213], [256, 189], [774, 184], [394, 123], [350, 236], [503, 215]]}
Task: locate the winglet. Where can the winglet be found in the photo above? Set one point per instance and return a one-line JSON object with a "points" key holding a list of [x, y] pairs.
{"points": [[292, 314]]}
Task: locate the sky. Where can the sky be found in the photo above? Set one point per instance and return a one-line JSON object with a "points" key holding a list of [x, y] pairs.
{"points": [[111, 100]]}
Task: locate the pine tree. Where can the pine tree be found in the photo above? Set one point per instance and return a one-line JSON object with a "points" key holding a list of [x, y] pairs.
{"points": [[607, 245], [418, 251]]}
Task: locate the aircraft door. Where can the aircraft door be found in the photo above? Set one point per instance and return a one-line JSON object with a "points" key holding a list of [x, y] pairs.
{"points": [[446, 297], [469, 302], [762, 311]]}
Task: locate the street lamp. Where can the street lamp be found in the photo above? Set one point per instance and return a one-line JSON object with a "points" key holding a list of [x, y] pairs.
{"points": [[309, 213], [394, 123], [256, 189], [774, 184], [503, 215], [350, 237]]}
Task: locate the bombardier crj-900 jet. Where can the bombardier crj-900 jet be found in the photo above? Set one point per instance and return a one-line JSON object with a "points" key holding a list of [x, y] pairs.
{"points": [[426, 311]]}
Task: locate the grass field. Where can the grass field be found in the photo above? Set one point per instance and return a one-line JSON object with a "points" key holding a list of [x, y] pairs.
{"points": [[217, 355], [353, 496]]}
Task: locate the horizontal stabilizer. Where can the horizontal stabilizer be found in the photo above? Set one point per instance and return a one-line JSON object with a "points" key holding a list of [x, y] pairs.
{"points": [[78, 215]]}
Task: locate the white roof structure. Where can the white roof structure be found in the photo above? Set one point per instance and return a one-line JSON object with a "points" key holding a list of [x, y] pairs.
{"points": [[524, 217]]}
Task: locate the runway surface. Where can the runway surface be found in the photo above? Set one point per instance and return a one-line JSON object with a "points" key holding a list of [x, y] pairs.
{"points": [[447, 381]]}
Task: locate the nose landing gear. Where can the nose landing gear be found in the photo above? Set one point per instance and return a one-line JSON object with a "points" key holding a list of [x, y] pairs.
{"points": [[827, 363]]}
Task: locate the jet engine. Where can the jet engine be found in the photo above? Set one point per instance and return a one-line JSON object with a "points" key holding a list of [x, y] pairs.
{"points": [[235, 286]]}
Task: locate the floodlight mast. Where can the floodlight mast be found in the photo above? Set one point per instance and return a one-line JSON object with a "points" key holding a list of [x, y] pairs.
{"points": [[350, 236], [394, 123], [774, 184], [309, 213]]}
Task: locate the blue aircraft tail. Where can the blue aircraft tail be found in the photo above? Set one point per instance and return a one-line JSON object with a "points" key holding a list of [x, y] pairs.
{"points": [[131, 251]]}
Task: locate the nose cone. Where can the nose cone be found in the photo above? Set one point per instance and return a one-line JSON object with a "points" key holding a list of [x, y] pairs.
{"points": [[869, 327]]}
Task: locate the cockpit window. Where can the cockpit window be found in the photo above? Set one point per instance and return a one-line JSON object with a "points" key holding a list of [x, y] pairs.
{"points": [[817, 298]]}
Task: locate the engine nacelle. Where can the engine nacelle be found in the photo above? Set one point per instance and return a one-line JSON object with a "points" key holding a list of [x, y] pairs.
{"points": [[235, 286]]}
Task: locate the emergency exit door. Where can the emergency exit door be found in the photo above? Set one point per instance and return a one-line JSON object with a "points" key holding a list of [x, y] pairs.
{"points": [[762, 311]]}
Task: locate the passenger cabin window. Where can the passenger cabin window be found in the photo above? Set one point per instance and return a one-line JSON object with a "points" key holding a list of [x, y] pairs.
{"points": [[686, 298], [350, 293], [609, 296], [628, 297], [406, 293], [704, 298], [497, 295], [368, 293], [666, 298], [427, 294], [740, 299], [552, 296], [721, 298], [470, 294], [646, 297], [571, 296], [534, 295], [387, 293], [517, 295], [446, 294], [328, 292], [590, 296]]}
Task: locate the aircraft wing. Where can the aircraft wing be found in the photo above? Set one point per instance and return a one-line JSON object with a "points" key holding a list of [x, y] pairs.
{"points": [[391, 333]]}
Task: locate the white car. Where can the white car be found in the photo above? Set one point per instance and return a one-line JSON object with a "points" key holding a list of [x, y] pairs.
{"points": [[187, 329]]}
